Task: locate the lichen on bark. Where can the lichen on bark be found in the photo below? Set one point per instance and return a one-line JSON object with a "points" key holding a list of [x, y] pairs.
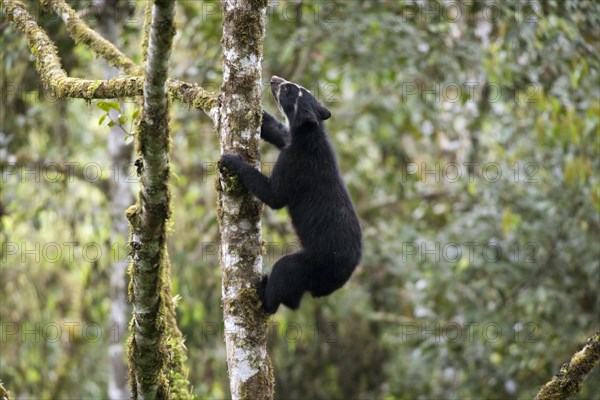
{"points": [[567, 382], [81, 33], [156, 345], [238, 123], [55, 79], [47, 63]]}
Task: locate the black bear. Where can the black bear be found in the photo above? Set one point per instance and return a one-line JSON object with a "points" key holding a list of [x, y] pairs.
{"points": [[306, 179]]}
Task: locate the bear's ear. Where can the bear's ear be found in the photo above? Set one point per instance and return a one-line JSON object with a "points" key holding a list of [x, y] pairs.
{"points": [[323, 113], [311, 118]]}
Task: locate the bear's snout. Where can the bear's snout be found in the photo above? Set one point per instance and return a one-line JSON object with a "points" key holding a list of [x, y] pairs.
{"points": [[275, 83], [277, 80]]}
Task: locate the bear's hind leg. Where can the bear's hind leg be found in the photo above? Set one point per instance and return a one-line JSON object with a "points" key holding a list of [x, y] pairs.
{"points": [[286, 284]]}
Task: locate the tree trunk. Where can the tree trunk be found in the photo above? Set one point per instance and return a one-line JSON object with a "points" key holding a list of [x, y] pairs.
{"points": [[238, 123], [156, 347]]}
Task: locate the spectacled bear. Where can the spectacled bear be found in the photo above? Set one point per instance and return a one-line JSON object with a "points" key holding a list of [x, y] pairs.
{"points": [[306, 179]]}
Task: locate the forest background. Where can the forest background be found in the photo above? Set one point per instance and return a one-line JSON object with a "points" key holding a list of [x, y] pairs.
{"points": [[467, 133]]}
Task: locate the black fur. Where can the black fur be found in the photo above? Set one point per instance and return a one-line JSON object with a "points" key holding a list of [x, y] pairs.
{"points": [[307, 180]]}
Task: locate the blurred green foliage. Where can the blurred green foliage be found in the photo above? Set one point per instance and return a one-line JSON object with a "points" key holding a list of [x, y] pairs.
{"points": [[468, 135]]}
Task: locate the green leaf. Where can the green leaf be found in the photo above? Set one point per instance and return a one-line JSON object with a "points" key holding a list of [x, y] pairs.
{"points": [[114, 104], [103, 105], [101, 120], [122, 119], [111, 124]]}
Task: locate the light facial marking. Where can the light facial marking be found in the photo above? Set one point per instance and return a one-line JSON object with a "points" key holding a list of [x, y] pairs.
{"points": [[297, 98], [300, 94], [287, 121], [296, 105], [278, 92]]}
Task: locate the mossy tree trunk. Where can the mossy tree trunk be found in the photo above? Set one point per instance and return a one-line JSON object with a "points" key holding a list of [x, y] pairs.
{"points": [[155, 346], [238, 122]]}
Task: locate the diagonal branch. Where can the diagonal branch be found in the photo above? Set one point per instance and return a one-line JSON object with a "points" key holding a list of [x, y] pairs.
{"points": [[194, 96], [82, 33], [48, 65], [567, 382]]}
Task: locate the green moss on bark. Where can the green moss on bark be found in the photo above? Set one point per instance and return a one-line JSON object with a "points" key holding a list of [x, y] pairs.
{"points": [[156, 350], [567, 382], [249, 29], [82, 34], [4, 394], [259, 386], [55, 79], [239, 211]]}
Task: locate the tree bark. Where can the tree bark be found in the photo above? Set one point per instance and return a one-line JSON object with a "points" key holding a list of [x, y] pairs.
{"points": [[156, 345], [567, 382], [4, 394], [102, 45], [54, 78], [238, 122]]}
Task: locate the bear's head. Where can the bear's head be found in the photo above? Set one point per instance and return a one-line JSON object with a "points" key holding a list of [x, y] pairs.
{"points": [[297, 104]]}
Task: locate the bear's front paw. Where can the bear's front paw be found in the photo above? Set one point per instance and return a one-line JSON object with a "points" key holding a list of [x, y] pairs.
{"points": [[262, 290], [269, 304], [267, 118], [232, 162]]}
